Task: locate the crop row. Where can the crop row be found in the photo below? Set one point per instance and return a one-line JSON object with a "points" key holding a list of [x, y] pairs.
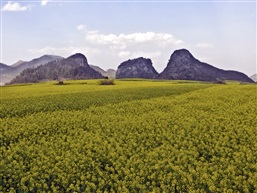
{"points": [[199, 141], [82, 99]]}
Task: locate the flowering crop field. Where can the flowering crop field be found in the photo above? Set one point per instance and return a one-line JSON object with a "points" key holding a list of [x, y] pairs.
{"points": [[134, 136]]}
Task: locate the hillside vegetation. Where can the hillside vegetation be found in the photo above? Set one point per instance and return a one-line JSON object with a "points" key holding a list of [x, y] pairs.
{"points": [[134, 136]]}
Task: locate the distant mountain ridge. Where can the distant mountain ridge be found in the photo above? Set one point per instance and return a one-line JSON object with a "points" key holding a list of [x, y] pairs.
{"points": [[37, 62], [17, 63], [12, 71], [4, 67], [254, 77], [73, 67], [183, 65], [110, 73]]}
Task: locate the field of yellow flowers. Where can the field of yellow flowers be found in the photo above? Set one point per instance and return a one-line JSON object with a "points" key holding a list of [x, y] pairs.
{"points": [[134, 136]]}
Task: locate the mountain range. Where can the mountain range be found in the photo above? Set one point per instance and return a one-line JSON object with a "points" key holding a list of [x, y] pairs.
{"points": [[181, 65], [73, 67], [9, 72]]}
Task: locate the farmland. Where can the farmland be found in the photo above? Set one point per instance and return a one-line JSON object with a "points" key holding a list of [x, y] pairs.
{"points": [[134, 136]]}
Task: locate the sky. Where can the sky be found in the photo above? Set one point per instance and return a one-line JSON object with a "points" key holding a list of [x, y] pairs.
{"points": [[220, 33]]}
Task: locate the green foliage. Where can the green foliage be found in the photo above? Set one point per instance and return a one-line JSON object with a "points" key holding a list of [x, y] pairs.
{"points": [[106, 82], [177, 138]]}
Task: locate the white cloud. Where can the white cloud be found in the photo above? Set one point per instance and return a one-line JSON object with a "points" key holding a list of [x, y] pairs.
{"points": [[44, 2], [109, 50], [81, 27], [45, 50], [122, 54], [123, 40], [152, 55], [204, 45], [116, 48], [13, 6]]}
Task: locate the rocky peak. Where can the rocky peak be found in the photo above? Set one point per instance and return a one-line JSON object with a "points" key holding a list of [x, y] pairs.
{"points": [[80, 59], [136, 68], [137, 61], [182, 53], [183, 66], [181, 56]]}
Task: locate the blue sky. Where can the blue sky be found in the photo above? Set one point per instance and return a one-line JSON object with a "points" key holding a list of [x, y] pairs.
{"points": [[221, 33]]}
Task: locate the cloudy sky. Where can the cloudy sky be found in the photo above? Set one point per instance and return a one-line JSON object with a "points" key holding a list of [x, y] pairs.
{"points": [[221, 33]]}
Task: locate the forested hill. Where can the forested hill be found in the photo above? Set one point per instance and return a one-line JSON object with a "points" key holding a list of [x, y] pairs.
{"points": [[73, 67]]}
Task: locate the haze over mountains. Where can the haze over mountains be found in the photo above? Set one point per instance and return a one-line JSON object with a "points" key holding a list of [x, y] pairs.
{"points": [[182, 65], [4, 67], [18, 63], [9, 72], [110, 73], [254, 77]]}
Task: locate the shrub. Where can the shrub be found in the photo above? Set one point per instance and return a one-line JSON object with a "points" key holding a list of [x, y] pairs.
{"points": [[220, 81], [106, 82]]}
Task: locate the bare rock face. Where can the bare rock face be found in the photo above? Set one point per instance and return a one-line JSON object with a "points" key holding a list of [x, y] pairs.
{"points": [[184, 66], [136, 68], [80, 59]]}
